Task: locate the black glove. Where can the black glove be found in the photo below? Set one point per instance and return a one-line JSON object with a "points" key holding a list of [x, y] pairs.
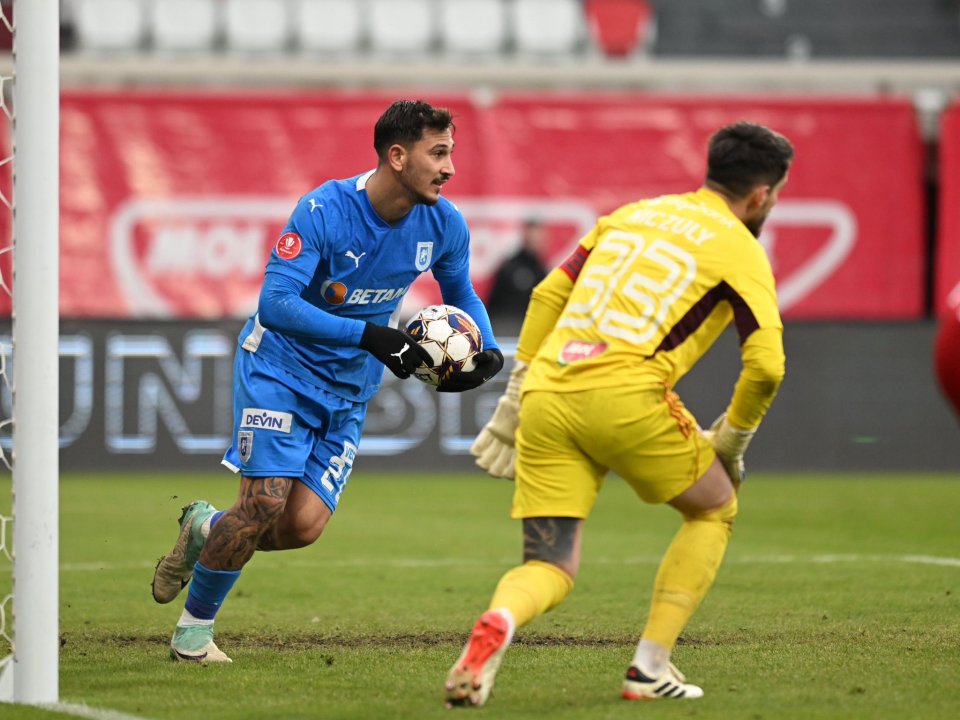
{"points": [[394, 348], [489, 363]]}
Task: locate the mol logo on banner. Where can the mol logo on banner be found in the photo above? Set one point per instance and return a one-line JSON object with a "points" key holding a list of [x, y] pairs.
{"points": [[204, 257], [194, 257]]}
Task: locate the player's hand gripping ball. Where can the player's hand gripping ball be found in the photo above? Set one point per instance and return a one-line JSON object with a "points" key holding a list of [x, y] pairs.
{"points": [[450, 336]]}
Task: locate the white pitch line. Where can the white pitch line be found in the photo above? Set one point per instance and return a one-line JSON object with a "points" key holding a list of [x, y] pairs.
{"points": [[932, 560], [850, 558], [85, 711]]}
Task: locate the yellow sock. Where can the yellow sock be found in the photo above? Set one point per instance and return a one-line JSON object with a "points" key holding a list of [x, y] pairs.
{"points": [[687, 571], [531, 589]]}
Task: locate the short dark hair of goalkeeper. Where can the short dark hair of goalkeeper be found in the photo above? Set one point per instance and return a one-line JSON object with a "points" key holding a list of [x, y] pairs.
{"points": [[745, 158]]}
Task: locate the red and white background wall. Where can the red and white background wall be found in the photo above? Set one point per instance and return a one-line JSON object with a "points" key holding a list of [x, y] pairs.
{"points": [[172, 200]]}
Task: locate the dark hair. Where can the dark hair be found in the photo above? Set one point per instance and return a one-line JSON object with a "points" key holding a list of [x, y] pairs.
{"points": [[744, 155], [404, 122]]}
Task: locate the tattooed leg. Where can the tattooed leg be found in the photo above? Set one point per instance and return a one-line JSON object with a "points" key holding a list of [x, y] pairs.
{"points": [[303, 520], [553, 540], [236, 534], [551, 557]]}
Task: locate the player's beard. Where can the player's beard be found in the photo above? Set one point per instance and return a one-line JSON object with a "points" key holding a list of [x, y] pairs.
{"points": [[755, 224], [412, 184]]}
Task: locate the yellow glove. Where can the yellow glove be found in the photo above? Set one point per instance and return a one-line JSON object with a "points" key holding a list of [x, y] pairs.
{"points": [[730, 442], [494, 447]]}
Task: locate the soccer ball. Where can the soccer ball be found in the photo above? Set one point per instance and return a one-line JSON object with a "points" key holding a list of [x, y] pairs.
{"points": [[450, 336]]}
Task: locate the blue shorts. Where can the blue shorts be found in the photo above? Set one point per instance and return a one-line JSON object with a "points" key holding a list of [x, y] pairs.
{"points": [[286, 427]]}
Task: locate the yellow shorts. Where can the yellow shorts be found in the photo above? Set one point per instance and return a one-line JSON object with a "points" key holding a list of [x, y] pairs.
{"points": [[567, 442]]}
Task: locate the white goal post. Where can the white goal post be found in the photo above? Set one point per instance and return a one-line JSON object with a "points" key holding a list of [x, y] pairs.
{"points": [[31, 674]]}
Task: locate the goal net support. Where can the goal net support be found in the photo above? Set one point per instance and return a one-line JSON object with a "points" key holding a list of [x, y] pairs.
{"points": [[30, 623]]}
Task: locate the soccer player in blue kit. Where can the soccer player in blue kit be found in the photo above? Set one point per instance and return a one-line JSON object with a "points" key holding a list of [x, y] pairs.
{"points": [[313, 355]]}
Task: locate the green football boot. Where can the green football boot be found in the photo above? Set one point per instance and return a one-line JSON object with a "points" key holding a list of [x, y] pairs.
{"points": [[194, 643], [176, 567]]}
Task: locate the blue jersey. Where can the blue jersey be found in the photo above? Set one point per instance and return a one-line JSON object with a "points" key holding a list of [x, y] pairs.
{"points": [[357, 267]]}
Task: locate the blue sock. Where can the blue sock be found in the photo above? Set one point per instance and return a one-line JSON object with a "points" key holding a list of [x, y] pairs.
{"points": [[208, 590], [215, 517]]}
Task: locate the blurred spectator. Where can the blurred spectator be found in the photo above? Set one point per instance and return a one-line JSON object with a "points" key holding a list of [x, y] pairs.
{"points": [[519, 273], [946, 352]]}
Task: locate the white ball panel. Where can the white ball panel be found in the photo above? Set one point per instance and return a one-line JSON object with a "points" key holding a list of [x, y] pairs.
{"points": [[459, 347], [439, 329], [435, 349]]}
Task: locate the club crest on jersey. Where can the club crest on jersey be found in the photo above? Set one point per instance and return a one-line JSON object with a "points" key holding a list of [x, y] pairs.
{"points": [[289, 246], [424, 255], [245, 444], [574, 350]]}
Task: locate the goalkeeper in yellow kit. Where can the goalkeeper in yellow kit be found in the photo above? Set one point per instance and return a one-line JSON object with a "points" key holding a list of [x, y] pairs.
{"points": [[605, 339]]}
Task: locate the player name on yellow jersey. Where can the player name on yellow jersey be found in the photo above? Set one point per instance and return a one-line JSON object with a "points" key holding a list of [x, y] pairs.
{"points": [[662, 278]]}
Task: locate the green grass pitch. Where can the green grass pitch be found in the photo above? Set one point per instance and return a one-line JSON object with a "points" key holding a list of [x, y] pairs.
{"points": [[839, 598]]}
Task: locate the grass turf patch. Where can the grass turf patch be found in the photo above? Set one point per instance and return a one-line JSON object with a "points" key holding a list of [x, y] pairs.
{"points": [[838, 599]]}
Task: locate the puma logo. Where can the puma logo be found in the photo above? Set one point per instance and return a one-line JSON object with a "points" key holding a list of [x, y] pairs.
{"points": [[399, 355], [355, 258], [314, 204]]}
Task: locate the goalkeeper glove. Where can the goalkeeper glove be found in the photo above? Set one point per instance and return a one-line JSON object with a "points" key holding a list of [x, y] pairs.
{"points": [[487, 364], [394, 348], [494, 447], [730, 442]]}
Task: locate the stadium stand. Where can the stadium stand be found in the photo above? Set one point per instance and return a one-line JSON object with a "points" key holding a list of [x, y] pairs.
{"points": [[620, 27], [548, 27], [184, 25], [525, 30], [808, 28], [401, 27], [256, 26], [329, 26], [473, 27], [110, 25]]}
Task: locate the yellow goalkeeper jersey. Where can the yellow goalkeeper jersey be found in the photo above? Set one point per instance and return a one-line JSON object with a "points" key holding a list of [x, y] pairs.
{"points": [[660, 280]]}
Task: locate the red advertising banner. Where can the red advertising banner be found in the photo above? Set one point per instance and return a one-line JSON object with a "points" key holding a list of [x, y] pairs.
{"points": [[834, 233], [947, 255], [171, 201]]}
